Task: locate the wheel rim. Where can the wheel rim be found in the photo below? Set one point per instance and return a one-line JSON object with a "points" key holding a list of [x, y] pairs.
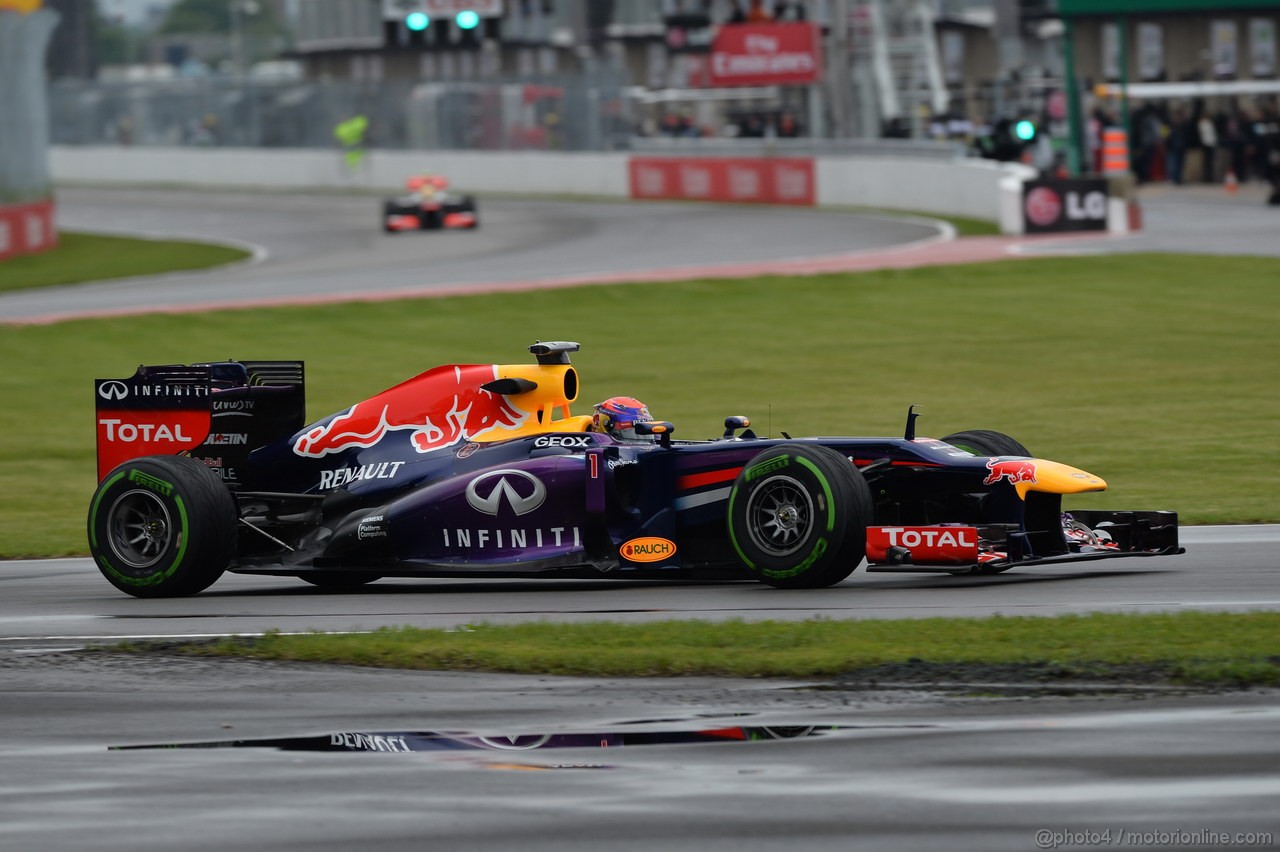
{"points": [[139, 528], [779, 516]]}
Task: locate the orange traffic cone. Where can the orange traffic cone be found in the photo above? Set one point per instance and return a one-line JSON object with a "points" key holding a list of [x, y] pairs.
{"points": [[1230, 183]]}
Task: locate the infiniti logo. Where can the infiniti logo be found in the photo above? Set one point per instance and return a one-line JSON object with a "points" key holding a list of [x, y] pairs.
{"points": [[113, 390], [520, 742], [504, 490]]}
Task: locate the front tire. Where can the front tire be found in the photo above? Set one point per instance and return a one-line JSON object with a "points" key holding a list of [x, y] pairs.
{"points": [[798, 516], [985, 442], [162, 526]]}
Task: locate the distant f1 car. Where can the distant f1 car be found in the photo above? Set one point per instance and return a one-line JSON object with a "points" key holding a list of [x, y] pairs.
{"points": [[428, 205], [480, 470]]}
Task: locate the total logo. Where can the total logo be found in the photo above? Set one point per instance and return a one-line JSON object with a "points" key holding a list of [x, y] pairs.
{"points": [[648, 549], [909, 538], [127, 433]]}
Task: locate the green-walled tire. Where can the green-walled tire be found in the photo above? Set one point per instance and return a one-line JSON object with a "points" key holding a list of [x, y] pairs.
{"points": [[162, 526], [798, 516]]}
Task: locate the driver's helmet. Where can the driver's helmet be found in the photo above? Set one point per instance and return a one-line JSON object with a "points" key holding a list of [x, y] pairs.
{"points": [[617, 417]]}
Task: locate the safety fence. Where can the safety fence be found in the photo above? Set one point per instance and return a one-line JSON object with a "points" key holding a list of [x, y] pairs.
{"points": [[572, 113]]}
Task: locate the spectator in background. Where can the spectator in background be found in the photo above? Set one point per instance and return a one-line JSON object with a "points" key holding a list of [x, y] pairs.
{"points": [[1146, 134], [788, 127], [1208, 134], [1233, 143], [757, 13], [1099, 121], [1176, 145]]}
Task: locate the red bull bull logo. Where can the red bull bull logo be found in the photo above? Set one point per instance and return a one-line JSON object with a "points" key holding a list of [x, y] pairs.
{"points": [[1014, 471], [440, 407]]}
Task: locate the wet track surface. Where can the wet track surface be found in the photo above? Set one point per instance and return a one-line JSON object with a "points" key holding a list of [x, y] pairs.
{"points": [[325, 245], [904, 771], [288, 756], [899, 770], [1228, 568]]}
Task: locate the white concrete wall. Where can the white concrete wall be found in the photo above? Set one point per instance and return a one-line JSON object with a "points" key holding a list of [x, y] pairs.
{"points": [[968, 187], [945, 187]]}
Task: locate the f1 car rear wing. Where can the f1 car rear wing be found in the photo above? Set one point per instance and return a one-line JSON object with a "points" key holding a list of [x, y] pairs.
{"points": [[216, 412]]}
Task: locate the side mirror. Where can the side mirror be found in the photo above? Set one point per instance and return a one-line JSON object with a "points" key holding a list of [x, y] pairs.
{"points": [[733, 423], [661, 428]]}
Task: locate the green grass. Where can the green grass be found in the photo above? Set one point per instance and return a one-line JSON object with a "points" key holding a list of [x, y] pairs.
{"points": [[1156, 372], [965, 226], [1189, 647], [89, 257]]}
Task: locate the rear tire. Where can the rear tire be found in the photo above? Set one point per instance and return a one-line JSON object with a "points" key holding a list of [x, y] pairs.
{"points": [[162, 526], [984, 442], [798, 516]]}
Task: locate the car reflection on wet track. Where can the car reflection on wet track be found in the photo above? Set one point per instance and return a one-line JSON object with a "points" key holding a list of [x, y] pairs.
{"points": [[417, 741]]}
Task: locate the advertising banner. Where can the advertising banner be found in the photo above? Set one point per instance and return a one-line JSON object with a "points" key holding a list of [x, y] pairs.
{"points": [[449, 8], [787, 54], [774, 180], [1054, 206], [26, 228]]}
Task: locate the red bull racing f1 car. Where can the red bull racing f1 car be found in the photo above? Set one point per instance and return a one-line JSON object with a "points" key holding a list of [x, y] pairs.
{"points": [[428, 205], [482, 470]]}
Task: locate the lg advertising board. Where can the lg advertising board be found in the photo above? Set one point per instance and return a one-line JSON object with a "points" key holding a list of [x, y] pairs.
{"points": [[1054, 206]]}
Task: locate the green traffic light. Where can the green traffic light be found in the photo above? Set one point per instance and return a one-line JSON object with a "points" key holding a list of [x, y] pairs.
{"points": [[467, 20], [1024, 130], [417, 21]]}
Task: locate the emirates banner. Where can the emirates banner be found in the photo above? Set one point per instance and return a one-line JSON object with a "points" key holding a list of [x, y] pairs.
{"points": [[787, 54]]}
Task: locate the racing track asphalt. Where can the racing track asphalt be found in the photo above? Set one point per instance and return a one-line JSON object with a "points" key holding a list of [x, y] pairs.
{"points": [[326, 247], [61, 602]]}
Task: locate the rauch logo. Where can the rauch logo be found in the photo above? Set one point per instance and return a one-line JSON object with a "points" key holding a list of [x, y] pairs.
{"points": [[648, 549]]}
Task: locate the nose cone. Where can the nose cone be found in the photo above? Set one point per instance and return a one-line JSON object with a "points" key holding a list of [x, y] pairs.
{"points": [[1056, 478]]}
